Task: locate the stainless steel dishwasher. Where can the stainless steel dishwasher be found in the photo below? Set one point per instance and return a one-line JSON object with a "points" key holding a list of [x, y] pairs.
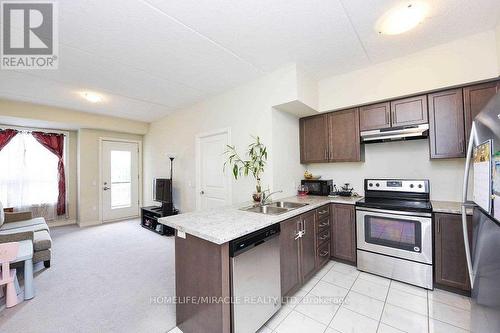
{"points": [[255, 279]]}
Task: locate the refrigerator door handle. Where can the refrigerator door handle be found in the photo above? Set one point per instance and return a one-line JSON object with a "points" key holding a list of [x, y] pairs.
{"points": [[470, 146]]}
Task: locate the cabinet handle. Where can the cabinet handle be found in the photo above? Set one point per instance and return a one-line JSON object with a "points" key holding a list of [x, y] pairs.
{"points": [[303, 227], [323, 212], [387, 118], [461, 143], [297, 235], [394, 117], [323, 254], [438, 226], [324, 237], [324, 224]]}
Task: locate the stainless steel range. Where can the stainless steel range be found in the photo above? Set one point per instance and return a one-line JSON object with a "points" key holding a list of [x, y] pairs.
{"points": [[394, 230]]}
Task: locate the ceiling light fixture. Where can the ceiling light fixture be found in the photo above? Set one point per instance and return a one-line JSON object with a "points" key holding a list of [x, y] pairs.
{"points": [[402, 18], [92, 97]]}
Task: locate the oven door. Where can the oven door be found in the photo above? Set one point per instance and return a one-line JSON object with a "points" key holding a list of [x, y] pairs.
{"points": [[399, 234]]}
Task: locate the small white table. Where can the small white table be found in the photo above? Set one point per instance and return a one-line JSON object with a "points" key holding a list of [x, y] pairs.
{"points": [[25, 254]]}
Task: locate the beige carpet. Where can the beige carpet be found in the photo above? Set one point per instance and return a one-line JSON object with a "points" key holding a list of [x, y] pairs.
{"points": [[102, 279]]}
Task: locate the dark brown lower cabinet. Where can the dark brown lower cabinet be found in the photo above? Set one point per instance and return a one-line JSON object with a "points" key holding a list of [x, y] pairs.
{"points": [[343, 223], [308, 247], [289, 253], [300, 254], [450, 265], [322, 229]]}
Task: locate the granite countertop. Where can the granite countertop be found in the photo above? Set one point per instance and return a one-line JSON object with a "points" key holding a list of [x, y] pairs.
{"points": [[221, 225], [450, 207]]}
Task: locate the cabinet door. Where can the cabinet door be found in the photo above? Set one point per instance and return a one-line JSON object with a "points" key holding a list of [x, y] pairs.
{"points": [[475, 99], [289, 255], [314, 139], [451, 264], [376, 116], [308, 247], [344, 136], [409, 111], [446, 122], [343, 233]]}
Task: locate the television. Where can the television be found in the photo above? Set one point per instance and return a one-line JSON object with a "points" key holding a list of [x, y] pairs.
{"points": [[162, 190]]}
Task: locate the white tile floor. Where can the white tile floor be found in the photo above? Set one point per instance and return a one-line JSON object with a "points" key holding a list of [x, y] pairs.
{"points": [[342, 299], [355, 301]]}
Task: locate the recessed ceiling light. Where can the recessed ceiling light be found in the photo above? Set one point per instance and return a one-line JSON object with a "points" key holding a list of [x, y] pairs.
{"points": [[92, 97], [402, 18]]}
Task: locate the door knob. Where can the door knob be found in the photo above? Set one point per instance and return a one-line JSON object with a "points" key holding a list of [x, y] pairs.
{"points": [[105, 188], [202, 192]]}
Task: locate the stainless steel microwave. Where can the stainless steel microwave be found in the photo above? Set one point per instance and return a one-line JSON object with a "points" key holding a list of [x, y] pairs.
{"points": [[318, 186]]}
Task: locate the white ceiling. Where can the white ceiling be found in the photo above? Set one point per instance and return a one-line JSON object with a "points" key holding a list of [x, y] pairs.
{"points": [[151, 57]]}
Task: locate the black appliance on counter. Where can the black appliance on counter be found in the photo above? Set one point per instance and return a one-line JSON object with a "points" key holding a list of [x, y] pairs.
{"points": [[318, 186]]}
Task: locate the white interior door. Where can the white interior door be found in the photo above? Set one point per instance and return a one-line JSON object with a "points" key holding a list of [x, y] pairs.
{"points": [[213, 184], [120, 180]]}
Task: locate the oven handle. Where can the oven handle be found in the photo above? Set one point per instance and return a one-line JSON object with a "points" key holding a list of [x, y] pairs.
{"points": [[472, 142], [393, 212]]}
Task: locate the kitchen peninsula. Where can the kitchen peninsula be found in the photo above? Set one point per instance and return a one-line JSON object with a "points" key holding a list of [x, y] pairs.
{"points": [[202, 252]]}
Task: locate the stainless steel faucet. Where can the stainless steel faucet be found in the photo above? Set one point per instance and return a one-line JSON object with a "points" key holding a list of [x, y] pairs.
{"points": [[264, 198]]}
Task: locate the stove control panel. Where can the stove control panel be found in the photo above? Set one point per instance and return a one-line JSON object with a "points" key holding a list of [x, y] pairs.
{"points": [[397, 185]]}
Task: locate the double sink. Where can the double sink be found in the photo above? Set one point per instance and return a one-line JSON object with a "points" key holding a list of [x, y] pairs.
{"points": [[275, 208]]}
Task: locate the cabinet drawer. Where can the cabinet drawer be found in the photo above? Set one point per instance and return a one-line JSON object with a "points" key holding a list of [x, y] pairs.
{"points": [[324, 223], [323, 236], [323, 254], [322, 212]]}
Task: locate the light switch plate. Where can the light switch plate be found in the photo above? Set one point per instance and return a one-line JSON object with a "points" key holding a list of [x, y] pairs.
{"points": [[181, 234]]}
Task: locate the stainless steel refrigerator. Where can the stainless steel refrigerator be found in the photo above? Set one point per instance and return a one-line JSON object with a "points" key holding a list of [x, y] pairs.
{"points": [[483, 259]]}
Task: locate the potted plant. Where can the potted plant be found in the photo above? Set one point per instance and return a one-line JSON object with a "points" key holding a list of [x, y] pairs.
{"points": [[254, 164]]}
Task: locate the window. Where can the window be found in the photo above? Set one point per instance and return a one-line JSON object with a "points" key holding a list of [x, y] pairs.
{"points": [[121, 179], [29, 176]]}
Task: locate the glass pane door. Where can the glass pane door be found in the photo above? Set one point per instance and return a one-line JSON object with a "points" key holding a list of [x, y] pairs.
{"points": [[121, 179], [393, 232]]}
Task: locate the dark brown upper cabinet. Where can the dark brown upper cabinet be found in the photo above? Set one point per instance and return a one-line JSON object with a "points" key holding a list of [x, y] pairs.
{"points": [[446, 124], [450, 264], [409, 111], [475, 99], [375, 116], [314, 139], [400, 112], [344, 141]]}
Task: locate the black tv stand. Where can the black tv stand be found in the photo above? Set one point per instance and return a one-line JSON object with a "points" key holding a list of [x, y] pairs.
{"points": [[150, 216]]}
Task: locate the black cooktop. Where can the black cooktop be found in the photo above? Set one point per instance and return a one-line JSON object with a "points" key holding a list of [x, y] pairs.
{"points": [[396, 204]]}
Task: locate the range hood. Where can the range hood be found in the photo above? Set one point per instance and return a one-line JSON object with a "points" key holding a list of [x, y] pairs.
{"points": [[396, 134]]}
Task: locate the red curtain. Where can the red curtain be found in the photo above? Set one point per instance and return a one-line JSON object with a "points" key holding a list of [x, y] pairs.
{"points": [[6, 136], [55, 143]]}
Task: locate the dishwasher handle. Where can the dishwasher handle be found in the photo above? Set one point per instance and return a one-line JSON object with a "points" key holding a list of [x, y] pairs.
{"points": [[248, 242]]}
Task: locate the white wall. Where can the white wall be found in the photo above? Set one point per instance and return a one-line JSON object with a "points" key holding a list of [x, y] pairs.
{"points": [[497, 35], [466, 60], [246, 110], [287, 170], [405, 159], [462, 61]]}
